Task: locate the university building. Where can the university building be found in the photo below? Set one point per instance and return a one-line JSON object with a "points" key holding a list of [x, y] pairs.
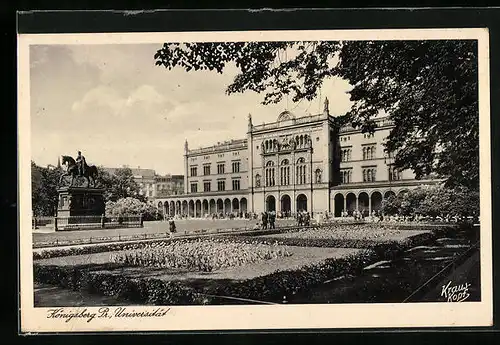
{"points": [[294, 164]]}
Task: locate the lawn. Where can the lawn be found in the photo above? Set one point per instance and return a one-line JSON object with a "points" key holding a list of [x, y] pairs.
{"points": [[184, 226]]}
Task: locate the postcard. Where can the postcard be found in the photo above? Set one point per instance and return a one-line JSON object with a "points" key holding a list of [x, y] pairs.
{"points": [[254, 180]]}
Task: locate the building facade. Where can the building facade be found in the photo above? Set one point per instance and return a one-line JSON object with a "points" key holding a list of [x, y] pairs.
{"points": [[167, 185], [309, 163], [152, 185]]}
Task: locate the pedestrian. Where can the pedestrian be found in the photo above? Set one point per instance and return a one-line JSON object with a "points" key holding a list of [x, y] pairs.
{"points": [[307, 219], [272, 220], [172, 227], [264, 220], [300, 219]]}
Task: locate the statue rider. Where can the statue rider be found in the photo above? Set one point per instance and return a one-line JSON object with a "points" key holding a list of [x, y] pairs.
{"points": [[80, 163]]}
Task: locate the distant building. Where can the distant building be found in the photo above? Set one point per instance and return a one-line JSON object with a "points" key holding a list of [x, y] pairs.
{"points": [[309, 163], [152, 185], [168, 185]]}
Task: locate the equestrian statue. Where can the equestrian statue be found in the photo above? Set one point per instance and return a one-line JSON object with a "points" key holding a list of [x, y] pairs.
{"points": [[78, 168]]}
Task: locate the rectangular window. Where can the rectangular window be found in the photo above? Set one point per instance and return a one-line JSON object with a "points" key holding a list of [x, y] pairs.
{"points": [[194, 187], [221, 186], [236, 184], [206, 170], [236, 167], [194, 171], [220, 168], [206, 186]]}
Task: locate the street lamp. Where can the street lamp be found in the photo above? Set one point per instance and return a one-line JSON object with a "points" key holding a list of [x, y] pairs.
{"points": [[389, 160]]}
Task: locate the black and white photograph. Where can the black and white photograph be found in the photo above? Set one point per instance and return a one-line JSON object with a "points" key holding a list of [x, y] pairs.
{"points": [[278, 179]]}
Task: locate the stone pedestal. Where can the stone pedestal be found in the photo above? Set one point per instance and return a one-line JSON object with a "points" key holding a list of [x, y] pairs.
{"points": [[80, 202]]}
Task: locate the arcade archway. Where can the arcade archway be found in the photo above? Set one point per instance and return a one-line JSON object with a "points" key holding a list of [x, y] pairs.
{"points": [[339, 205], [301, 203], [286, 204], [270, 203]]}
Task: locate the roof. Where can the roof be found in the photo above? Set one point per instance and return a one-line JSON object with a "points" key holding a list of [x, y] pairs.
{"points": [[135, 172]]}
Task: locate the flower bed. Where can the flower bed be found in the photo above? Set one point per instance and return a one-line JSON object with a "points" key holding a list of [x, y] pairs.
{"points": [[111, 279], [204, 255], [108, 280], [354, 232]]}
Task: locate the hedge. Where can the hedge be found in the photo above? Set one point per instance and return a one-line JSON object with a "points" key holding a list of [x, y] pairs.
{"points": [[94, 279]]}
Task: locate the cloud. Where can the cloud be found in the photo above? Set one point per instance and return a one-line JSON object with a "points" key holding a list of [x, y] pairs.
{"points": [[100, 96], [112, 102], [145, 93]]}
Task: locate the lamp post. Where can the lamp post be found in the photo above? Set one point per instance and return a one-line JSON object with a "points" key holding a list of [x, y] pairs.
{"points": [[388, 160]]}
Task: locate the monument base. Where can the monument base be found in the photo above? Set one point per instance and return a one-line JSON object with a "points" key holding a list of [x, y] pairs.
{"points": [[80, 205]]}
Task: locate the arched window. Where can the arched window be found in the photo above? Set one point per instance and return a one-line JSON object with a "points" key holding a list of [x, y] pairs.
{"points": [[364, 153], [364, 175], [270, 177], [300, 176], [285, 172], [369, 175], [349, 176]]}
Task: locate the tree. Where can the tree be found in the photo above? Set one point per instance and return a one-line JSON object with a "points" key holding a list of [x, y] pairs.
{"points": [[391, 205], [44, 195], [119, 185], [434, 201], [425, 87]]}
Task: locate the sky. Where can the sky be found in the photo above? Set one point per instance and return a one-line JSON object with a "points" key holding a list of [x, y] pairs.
{"points": [[116, 106]]}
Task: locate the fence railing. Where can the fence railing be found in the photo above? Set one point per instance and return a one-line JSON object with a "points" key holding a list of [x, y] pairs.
{"points": [[38, 222], [88, 222]]}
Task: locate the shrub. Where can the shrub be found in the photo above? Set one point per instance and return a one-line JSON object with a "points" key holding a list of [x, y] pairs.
{"points": [[130, 206]]}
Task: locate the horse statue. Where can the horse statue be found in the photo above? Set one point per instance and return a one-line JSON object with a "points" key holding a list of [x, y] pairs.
{"points": [[90, 172]]}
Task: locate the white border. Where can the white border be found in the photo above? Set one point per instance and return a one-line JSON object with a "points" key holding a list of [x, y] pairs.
{"points": [[260, 317]]}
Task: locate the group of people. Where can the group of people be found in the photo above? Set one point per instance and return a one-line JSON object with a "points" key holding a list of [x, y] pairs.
{"points": [[268, 218], [359, 215], [303, 218]]}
